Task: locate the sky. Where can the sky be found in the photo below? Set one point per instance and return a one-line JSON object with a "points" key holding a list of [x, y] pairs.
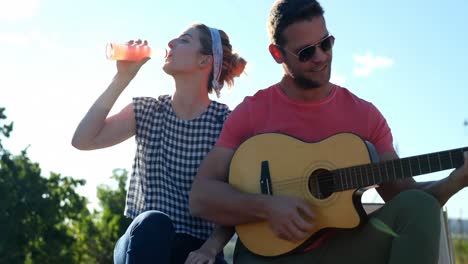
{"points": [[408, 58]]}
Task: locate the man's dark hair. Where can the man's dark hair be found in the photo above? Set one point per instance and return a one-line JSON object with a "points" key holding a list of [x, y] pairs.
{"points": [[286, 12]]}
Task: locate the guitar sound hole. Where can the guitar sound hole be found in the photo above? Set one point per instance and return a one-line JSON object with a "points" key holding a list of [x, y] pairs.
{"points": [[321, 184]]}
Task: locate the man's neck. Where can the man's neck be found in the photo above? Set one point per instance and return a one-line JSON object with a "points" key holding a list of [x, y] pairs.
{"points": [[293, 91]]}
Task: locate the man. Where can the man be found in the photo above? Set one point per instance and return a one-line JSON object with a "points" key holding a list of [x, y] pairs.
{"points": [[305, 105]]}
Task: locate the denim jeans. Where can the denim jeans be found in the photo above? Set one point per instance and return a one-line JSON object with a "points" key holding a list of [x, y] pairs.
{"points": [[151, 238]]}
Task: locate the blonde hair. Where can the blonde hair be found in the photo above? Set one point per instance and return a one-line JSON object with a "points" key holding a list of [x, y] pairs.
{"points": [[233, 63]]}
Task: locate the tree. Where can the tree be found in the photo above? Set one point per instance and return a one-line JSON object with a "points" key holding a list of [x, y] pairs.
{"points": [[44, 220], [113, 223], [461, 250], [99, 231], [5, 130], [35, 212], [113, 203]]}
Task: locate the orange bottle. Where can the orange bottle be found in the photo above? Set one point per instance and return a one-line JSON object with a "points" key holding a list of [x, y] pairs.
{"points": [[118, 51]]}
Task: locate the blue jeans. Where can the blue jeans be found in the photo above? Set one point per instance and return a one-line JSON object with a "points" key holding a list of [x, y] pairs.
{"points": [[151, 238]]}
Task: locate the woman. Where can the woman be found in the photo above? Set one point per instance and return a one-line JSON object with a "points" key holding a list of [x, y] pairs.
{"points": [[173, 134]]}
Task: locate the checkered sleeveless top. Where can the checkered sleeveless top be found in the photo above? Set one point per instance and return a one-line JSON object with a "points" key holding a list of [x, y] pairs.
{"points": [[168, 154]]}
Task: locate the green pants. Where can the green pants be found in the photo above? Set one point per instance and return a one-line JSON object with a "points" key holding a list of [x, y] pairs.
{"points": [[414, 215]]}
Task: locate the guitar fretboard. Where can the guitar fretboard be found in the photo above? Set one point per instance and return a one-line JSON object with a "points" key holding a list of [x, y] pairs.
{"points": [[392, 170]]}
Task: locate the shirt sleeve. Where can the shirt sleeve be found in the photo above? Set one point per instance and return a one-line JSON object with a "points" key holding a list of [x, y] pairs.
{"points": [[237, 128], [379, 131], [145, 109]]}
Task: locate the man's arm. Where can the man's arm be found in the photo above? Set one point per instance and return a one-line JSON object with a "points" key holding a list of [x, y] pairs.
{"points": [[213, 198], [442, 189]]}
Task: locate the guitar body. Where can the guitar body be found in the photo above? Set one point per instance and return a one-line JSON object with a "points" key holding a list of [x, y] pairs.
{"points": [[292, 165]]}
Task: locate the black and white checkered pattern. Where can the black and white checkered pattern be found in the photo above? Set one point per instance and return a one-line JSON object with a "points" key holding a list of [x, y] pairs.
{"points": [[169, 151]]}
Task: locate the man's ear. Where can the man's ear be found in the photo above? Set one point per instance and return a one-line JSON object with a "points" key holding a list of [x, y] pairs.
{"points": [[276, 53]]}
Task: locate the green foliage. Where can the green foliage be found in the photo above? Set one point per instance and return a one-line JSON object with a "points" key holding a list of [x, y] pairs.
{"points": [[34, 212], [5, 130], [461, 251], [111, 223], [44, 220]]}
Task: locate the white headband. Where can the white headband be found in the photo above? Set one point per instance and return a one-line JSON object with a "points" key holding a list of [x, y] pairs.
{"points": [[217, 59]]}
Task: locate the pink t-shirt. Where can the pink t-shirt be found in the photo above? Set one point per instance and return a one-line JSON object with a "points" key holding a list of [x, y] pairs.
{"points": [[270, 110]]}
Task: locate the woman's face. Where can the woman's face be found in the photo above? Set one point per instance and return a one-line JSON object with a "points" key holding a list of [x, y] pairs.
{"points": [[184, 53]]}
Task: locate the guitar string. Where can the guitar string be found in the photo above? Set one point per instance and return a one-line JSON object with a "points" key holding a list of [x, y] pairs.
{"points": [[375, 168], [329, 178]]}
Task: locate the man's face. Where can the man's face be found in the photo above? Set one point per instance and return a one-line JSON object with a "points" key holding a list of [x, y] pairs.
{"points": [[314, 72]]}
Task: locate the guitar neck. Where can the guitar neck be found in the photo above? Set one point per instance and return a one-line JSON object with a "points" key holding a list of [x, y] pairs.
{"points": [[392, 170]]}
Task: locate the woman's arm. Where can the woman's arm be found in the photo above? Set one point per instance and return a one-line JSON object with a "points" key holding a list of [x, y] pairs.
{"points": [[212, 247], [96, 129]]}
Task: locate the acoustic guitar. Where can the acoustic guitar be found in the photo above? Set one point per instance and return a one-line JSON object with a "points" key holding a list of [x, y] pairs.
{"points": [[329, 175]]}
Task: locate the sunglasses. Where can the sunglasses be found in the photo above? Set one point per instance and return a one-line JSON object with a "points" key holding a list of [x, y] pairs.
{"points": [[308, 52]]}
